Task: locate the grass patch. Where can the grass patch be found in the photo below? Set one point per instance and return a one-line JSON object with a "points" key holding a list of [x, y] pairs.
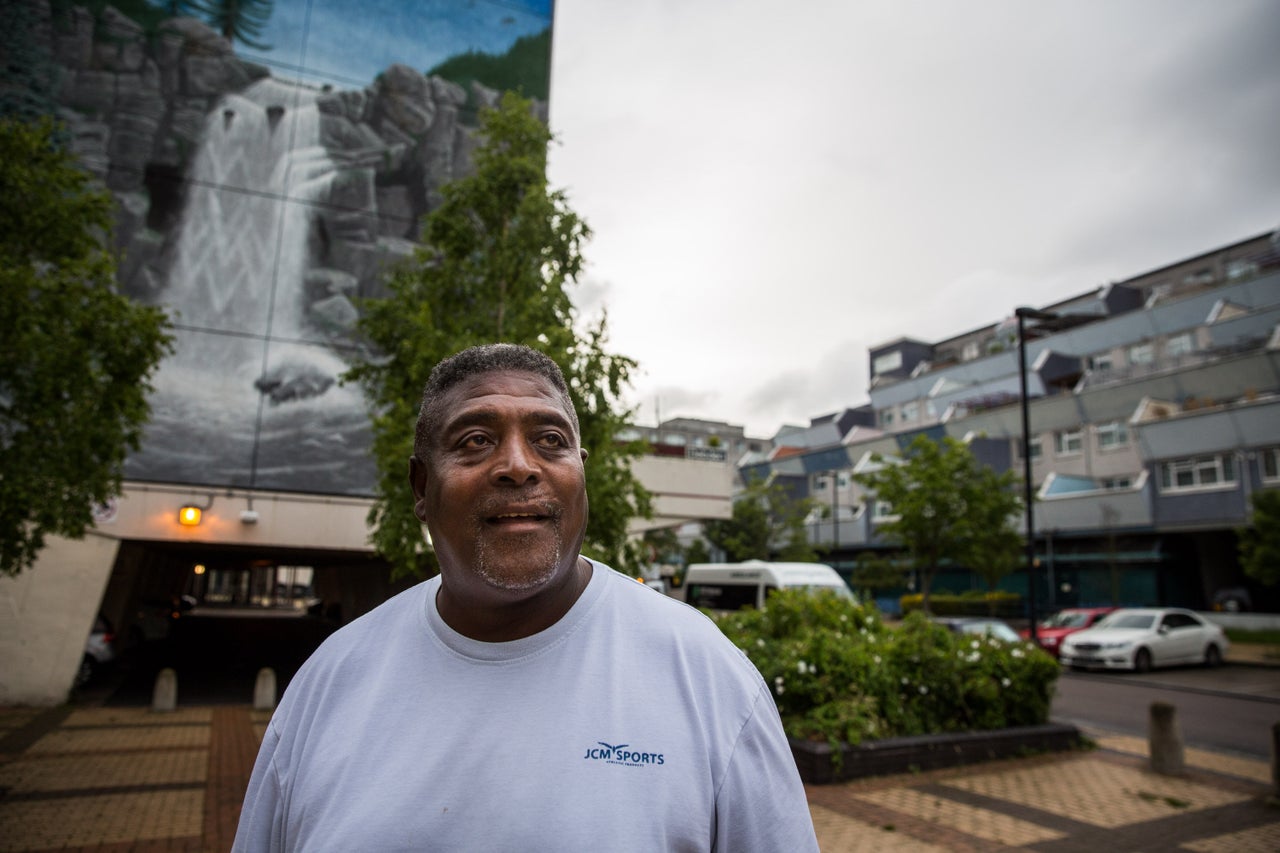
{"points": [[1270, 637]]}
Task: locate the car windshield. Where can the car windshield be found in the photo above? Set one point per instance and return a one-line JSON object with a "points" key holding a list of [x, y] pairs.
{"points": [[1128, 620], [1067, 619], [999, 630]]}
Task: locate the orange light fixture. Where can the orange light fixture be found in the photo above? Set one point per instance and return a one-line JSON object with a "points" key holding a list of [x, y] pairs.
{"points": [[189, 516]]}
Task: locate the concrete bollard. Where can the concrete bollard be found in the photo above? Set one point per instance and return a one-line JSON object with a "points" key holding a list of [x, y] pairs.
{"points": [[1164, 740], [264, 690], [165, 695]]}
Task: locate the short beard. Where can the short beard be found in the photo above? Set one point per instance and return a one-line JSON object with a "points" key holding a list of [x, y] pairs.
{"points": [[537, 564]]}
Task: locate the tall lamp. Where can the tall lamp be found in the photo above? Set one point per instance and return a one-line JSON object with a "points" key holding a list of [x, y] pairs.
{"points": [[1023, 315]]}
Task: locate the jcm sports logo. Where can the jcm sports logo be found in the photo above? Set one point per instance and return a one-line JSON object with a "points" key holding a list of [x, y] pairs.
{"points": [[621, 754]]}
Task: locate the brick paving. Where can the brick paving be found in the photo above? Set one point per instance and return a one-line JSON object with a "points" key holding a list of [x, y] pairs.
{"points": [[132, 781]]}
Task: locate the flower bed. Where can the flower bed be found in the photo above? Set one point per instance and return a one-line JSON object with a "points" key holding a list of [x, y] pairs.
{"points": [[841, 677]]}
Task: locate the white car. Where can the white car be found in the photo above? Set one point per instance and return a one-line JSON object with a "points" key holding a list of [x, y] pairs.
{"points": [[1142, 638]]}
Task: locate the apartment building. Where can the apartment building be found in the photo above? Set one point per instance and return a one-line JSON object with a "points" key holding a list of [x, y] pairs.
{"points": [[1154, 407]]}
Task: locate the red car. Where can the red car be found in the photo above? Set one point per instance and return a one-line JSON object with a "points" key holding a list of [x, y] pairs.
{"points": [[1050, 632]]}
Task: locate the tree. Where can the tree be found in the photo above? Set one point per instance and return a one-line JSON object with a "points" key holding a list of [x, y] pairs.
{"points": [[235, 19], [767, 523], [1260, 542], [75, 356], [874, 571], [496, 260], [946, 506]]}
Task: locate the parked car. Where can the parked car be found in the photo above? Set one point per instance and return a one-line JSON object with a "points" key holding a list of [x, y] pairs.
{"points": [[979, 625], [99, 650], [1142, 638], [1052, 631], [1232, 599]]}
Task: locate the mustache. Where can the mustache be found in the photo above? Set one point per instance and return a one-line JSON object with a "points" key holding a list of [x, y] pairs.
{"points": [[492, 505]]}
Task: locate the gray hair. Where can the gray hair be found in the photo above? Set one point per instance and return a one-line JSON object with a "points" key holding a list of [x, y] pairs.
{"points": [[477, 361]]}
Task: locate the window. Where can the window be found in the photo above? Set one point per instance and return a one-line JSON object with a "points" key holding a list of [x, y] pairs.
{"points": [[1141, 354], [1271, 463], [970, 351], [1068, 441], [1111, 484], [1112, 435], [910, 411], [1037, 447], [887, 417], [1179, 345], [1102, 362], [1198, 473], [887, 362], [883, 511]]}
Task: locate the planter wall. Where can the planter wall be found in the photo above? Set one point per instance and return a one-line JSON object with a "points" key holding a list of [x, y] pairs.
{"points": [[926, 752]]}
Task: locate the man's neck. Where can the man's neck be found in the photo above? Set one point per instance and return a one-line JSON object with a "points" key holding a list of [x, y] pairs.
{"points": [[515, 620]]}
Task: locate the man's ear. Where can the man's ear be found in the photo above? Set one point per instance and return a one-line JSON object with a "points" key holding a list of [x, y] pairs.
{"points": [[418, 482], [584, 453]]}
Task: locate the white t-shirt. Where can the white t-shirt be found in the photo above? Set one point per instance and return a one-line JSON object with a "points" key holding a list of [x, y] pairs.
{"points": [[632, 724]]}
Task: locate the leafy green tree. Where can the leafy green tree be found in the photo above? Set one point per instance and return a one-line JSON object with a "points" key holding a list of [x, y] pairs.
{"points": [[497, 258], [75, 356], [874, 571], [767, 523], [235, 19], [697, 552], [946, 506], [1259, 544]]}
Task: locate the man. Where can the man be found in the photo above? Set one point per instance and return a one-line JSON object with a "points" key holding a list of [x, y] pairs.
{"points": [[527, 698]]}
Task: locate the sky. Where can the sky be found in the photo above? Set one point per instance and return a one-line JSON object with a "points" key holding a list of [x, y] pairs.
{"points": [[776, 187]]}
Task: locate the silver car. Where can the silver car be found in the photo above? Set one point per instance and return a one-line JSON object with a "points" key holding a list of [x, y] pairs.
{"points": [[1139, 639]]}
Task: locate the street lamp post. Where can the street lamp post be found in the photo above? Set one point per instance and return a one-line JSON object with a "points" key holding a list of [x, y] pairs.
{"points": [[1024, 314]]}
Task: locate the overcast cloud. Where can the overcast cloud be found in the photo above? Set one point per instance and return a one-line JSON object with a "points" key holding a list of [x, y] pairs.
{"points": [[775, 187]]}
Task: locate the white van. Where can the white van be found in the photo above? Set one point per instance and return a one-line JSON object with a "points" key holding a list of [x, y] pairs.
{"points": [[732, 586]]}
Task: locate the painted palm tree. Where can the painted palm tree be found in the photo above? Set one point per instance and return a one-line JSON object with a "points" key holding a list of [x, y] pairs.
{"points": [[241, 20]]}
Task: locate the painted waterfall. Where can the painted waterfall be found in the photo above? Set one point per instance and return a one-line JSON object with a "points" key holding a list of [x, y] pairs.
{"points": [[251, 396]]}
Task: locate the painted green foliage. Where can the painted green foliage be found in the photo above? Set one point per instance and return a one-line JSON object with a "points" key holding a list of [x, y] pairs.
{"points": [[75, 356], [1260, 541], [948, 507], [498, 256], [767, 524], [236, 20]]}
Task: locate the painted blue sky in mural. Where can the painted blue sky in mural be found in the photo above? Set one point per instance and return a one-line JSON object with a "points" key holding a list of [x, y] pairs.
{"points": [[333, 41]]}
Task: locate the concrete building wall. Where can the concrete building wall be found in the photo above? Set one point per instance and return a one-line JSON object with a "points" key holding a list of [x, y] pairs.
{"points": [[45, 616]]}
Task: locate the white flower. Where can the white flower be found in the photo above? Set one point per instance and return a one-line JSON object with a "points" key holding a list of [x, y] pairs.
{"points": [[923, 690], [760, 643], [1004, 682], [876, 658], [904, 680], [802, 667], [779, 689], [844, 617], [974, 644], [1017, 653]]}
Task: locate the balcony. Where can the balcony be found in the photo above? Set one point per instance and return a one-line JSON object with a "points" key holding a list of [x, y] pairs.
{"points": [[1078, 504]]}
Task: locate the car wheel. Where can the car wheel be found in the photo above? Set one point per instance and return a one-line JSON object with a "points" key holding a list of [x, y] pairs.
{"points": [[1212, 657], [1142, 661], [85, 673]]}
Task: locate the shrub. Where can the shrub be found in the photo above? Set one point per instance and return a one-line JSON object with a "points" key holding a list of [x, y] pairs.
{"points": [[839, 674], [974, 603]]}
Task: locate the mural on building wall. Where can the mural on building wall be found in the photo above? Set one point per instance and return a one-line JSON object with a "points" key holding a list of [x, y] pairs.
{"points": [[269, 162]]}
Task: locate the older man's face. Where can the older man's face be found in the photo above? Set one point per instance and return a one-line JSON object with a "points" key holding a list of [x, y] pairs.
{"points": [[503, 491]]}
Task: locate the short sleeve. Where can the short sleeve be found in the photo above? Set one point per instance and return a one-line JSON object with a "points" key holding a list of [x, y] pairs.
{"points": [[761, 804], [261, 825]]}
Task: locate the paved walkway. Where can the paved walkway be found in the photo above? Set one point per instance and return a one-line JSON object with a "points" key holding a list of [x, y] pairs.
{"points": [[113, 780]]}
